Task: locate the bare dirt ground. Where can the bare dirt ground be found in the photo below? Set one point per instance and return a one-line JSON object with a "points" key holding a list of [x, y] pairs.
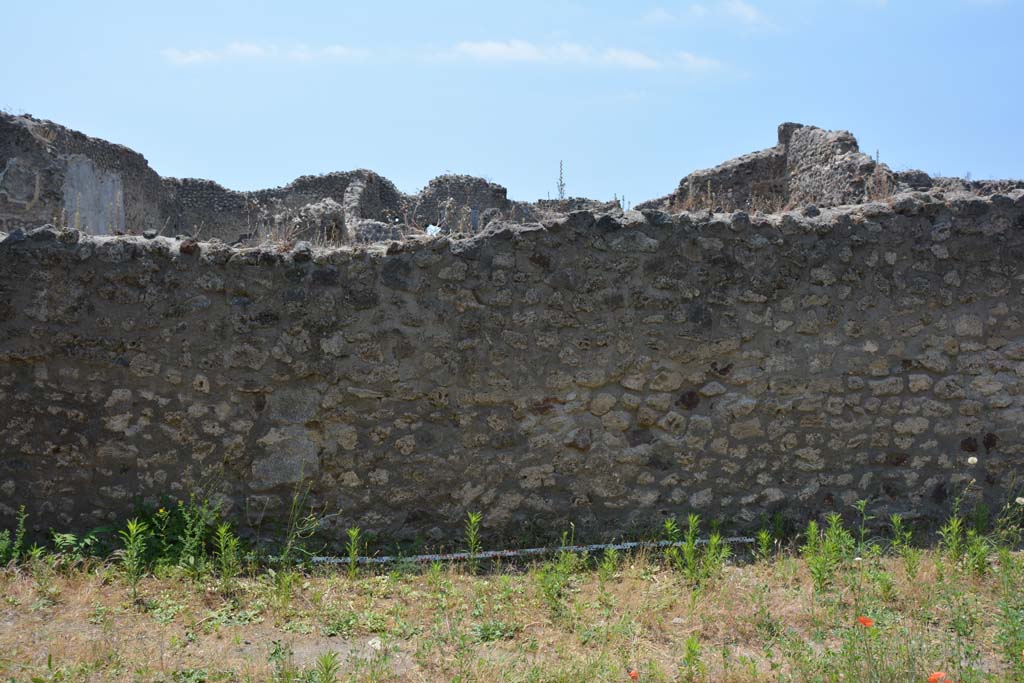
{"points": [[565, 620]]}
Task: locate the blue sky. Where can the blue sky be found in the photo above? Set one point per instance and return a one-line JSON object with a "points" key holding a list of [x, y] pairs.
{"points": [[630, 95]]}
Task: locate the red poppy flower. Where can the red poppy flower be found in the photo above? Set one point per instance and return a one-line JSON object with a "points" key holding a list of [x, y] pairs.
{"points": [[866, 622], [634, 675], [939, 677]]}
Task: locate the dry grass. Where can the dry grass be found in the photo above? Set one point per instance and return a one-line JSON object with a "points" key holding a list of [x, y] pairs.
{"points": [[756, 622]]}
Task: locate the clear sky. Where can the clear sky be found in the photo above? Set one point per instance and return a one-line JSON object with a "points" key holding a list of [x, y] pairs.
{"points": [[630, 95]]}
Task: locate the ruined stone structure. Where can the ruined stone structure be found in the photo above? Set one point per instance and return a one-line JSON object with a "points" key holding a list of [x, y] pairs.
{"points": [[49, 174], [605, 369], [47, 170], [808, 167]]}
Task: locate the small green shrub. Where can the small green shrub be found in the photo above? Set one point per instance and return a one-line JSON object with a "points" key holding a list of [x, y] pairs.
{"points": [[838, 539], [184, 535], [280, 659], [73, 549]]}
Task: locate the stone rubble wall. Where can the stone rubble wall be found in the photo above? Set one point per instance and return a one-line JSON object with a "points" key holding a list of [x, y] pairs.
{"points": [[460, 204], [50, 174], [591, 370], [808, 166]]}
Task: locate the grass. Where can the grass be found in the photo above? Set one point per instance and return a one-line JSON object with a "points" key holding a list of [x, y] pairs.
{"points": [[189, 603]]}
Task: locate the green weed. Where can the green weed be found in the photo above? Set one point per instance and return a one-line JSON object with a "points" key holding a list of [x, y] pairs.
{"points": [[493, 630], [764, 545], [303, 523], [328, 666], [352, 547], [686, 556], [902, 546], [10, 550], [691, 669], [824, 551], [952, 536], [227, 554], [135, 536], [609, 565], [472, 538]]}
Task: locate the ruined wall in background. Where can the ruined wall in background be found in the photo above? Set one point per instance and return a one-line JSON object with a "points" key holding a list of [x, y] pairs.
{"points": [[599, 371], [461, 204], [93, 184], [807, 166], [50, 174], [355, 206]]}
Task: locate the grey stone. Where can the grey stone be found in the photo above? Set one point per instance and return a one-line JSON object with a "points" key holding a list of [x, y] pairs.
{"points": [[969, 326], [291, 458], [15, 236], [713, 389]]}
